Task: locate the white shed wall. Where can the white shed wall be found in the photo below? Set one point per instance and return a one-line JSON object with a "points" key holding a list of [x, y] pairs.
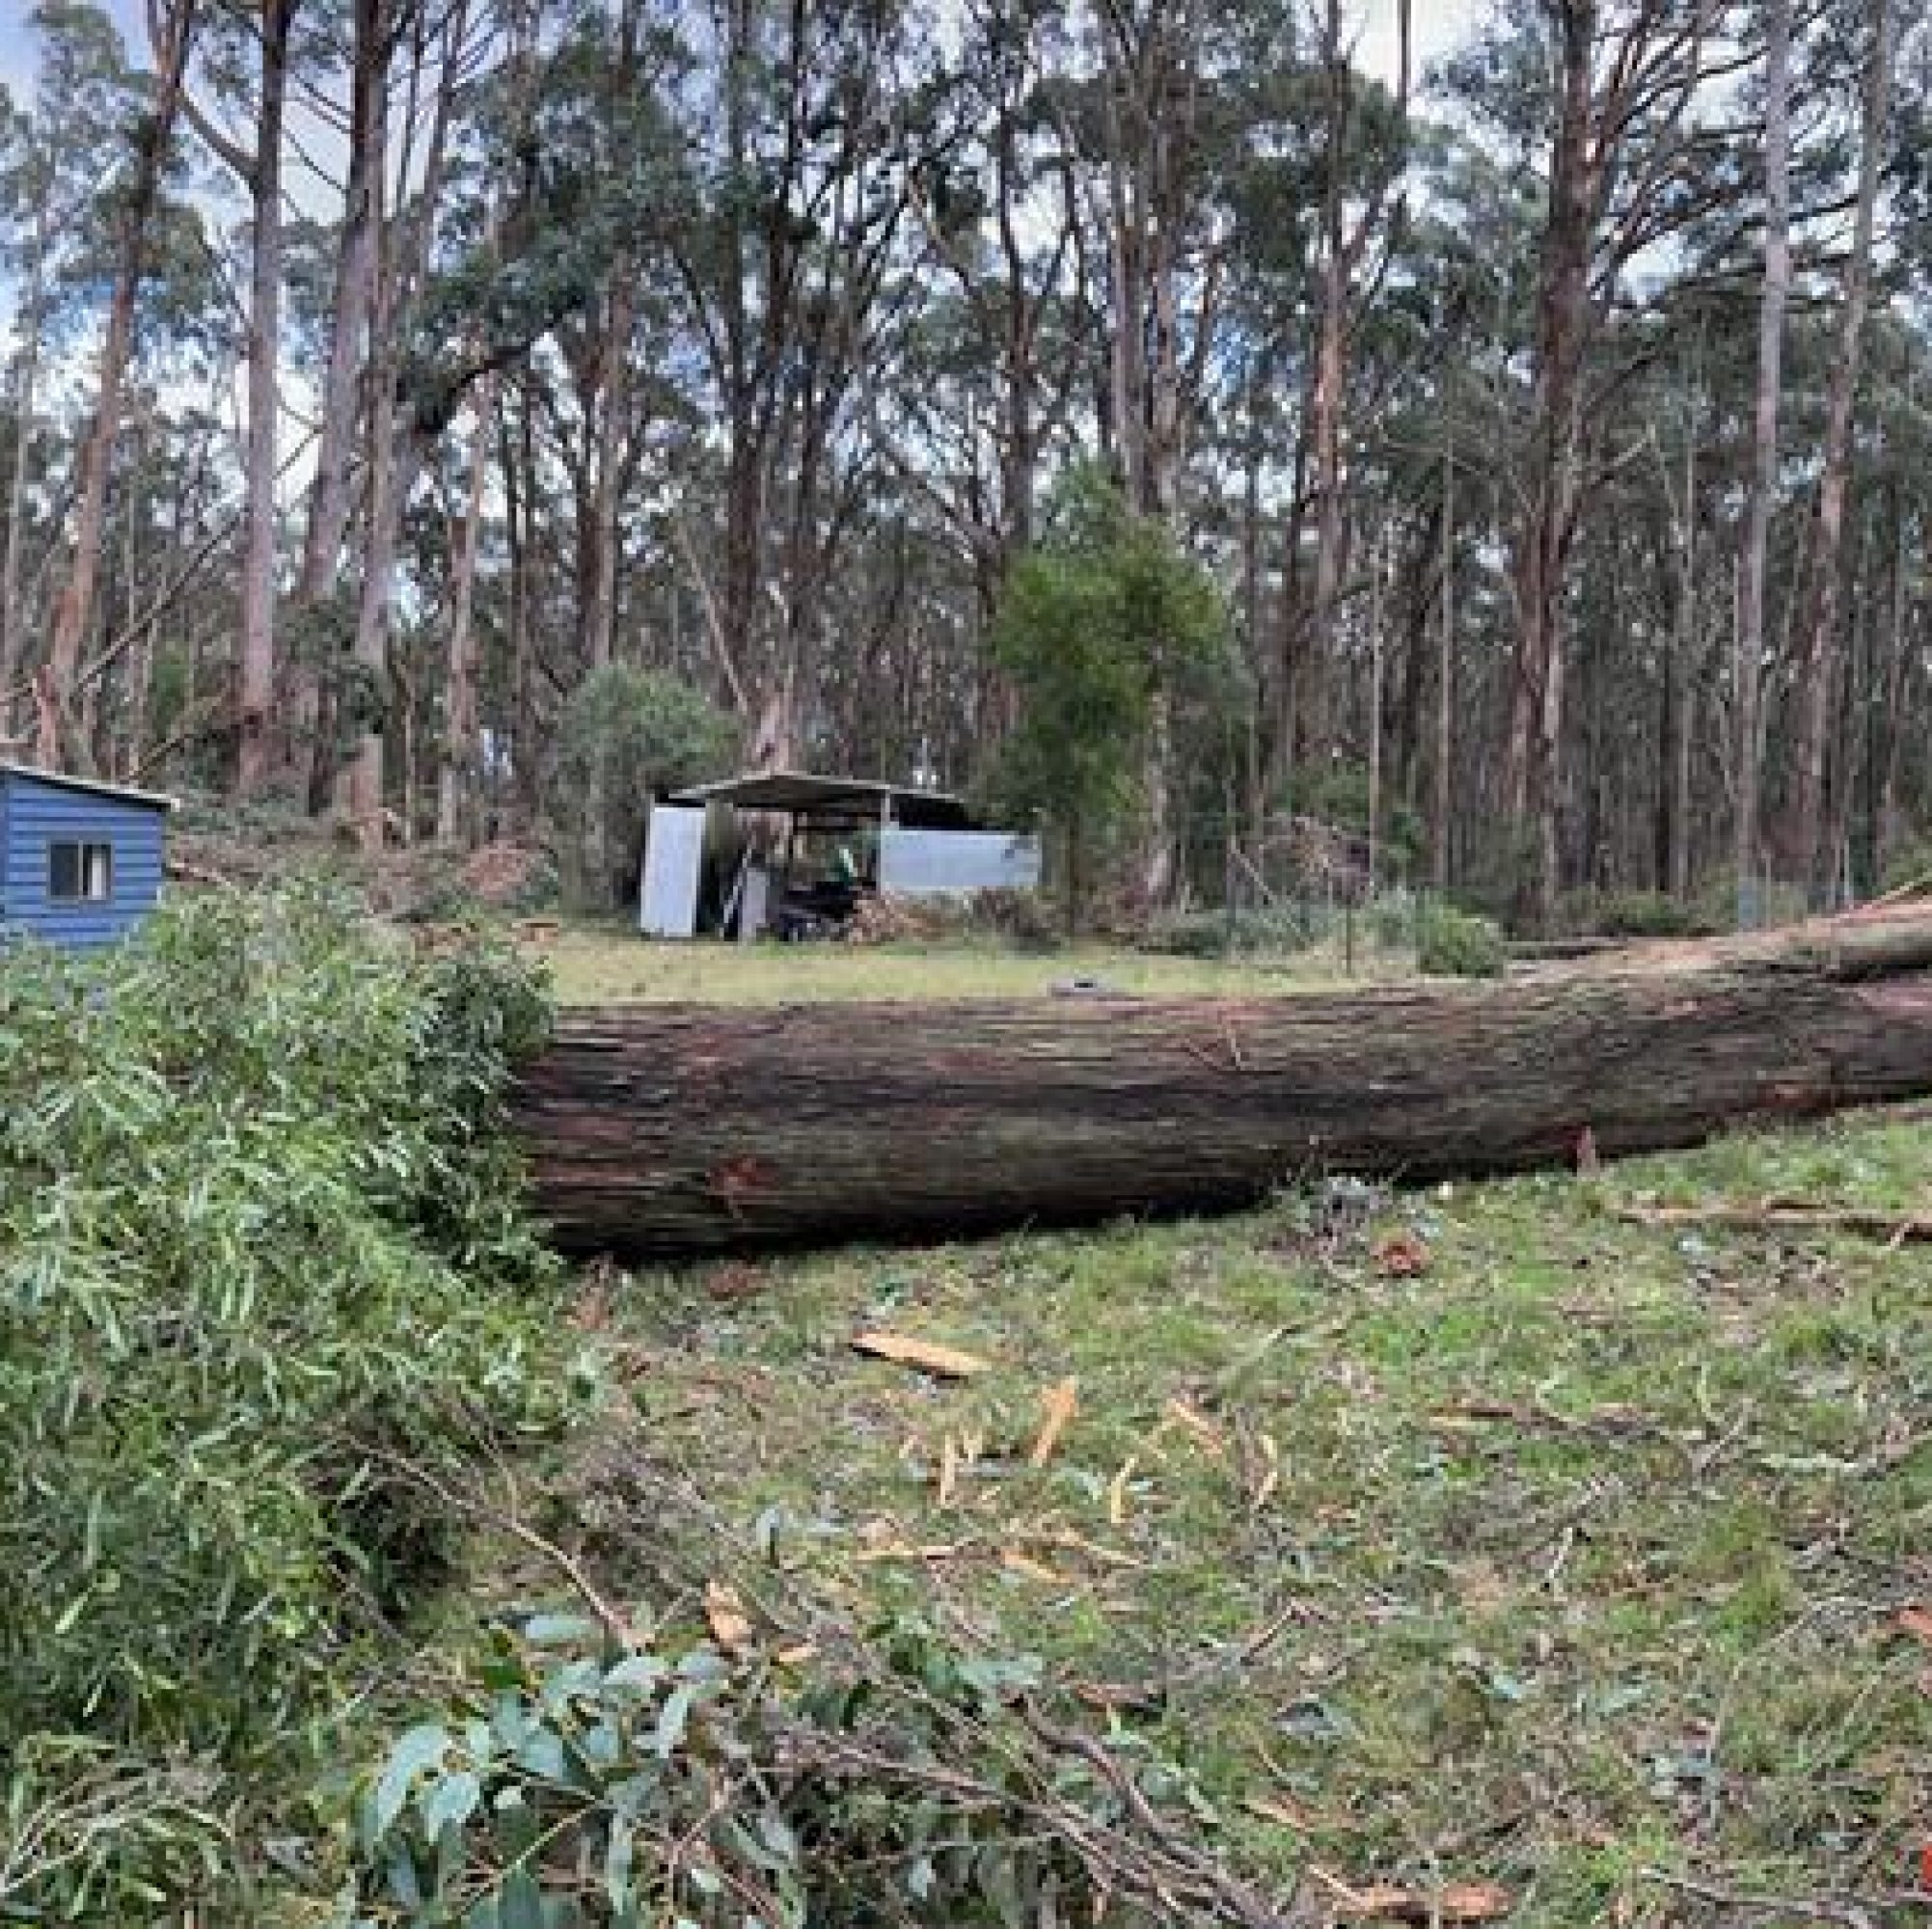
{"points": [[923, 864]]}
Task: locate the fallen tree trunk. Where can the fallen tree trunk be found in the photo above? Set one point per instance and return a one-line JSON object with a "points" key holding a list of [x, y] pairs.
{"points": [[678, 1127]]}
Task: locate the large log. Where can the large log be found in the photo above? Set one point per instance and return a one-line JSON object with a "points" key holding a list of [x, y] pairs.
{"points": [[681, 1128]]}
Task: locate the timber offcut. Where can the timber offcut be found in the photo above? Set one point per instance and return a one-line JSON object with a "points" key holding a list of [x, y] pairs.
{"points": [[681, 1128]]}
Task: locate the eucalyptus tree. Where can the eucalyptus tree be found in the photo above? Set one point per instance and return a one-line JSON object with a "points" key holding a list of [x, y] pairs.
{"points": [[1805, 853], [1754, 561], [147, 140], [244, 51]]}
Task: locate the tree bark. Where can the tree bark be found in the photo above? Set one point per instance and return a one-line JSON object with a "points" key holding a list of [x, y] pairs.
{"points": [[1445, 691], [352, 303], [1805, 853], [75, 611], [456, 773], [1544, 539], [396, 448], [1746, 855], [26, 397], [667, 1128], [255, 752]]}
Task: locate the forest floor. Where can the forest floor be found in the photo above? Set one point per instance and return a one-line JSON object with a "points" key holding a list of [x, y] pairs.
{"points": [[608, 964], [1479, 1535]]}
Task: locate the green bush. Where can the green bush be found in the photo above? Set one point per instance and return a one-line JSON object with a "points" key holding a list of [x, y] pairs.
{"points": [[1393, 920], [1910, 864], [1455, 944], [1641, 915], [260, 1244], [1213, 934]]}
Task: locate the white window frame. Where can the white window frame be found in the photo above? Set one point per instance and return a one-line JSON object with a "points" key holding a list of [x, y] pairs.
{"points": [[94, 867]]}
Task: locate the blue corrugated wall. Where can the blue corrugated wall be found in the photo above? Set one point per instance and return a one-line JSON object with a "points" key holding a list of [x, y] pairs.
{"points": [[34, 815]]}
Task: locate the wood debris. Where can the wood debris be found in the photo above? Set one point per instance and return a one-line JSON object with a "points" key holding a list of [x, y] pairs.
{"points": [[1205, 1433], [1058, 1406], [906, 1550], [1270, 1479], [1390, 1902], [927, 1356], [724, 1612], [1015, 1563], [1283, 1813], [1774, 1215], [1917, 1623], [1401, 1255]]}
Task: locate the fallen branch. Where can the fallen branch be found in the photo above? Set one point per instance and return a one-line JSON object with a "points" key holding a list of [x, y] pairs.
{"points": [[1895, 1229], [1854, 1912]]}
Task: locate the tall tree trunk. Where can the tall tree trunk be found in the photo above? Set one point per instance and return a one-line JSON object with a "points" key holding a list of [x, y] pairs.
{"points": [[1746, 855], [26, 394], [255, 760], [351, 306], [517, 458], [396, 448], [1322, 649], [1542, 542], [74, 612], [358, 783], [1805, 853], [1445, 745], [461, 751]]}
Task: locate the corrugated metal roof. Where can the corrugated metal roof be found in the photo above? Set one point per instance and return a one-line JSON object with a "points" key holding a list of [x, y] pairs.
{"points": [[154, 799], [798, 791]]}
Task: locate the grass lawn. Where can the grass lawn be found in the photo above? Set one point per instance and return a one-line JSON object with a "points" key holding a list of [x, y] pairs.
{"points": [[609, 965], [1477, 1534]]}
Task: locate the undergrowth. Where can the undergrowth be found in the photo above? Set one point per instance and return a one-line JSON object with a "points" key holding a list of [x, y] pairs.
{"points": [[259, 1248], [1486, 1543]]}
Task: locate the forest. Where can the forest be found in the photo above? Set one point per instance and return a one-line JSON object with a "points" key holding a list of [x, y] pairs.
{"points": [[408, 402]]}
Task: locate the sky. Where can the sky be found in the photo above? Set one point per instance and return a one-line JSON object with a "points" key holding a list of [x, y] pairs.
{"points": [[1439, 25]]}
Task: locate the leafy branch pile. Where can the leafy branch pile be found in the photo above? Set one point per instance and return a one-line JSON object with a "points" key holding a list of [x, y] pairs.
{"points": [[593, 1781], [257, 1238]]}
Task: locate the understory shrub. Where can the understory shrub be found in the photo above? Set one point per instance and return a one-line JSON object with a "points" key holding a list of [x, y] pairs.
{"points": [[1458, 944], [1213, 934], [1639, 915], [260, 1249]]}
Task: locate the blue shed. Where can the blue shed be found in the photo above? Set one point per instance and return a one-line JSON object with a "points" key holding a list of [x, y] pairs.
{"points": [[80, 861]]}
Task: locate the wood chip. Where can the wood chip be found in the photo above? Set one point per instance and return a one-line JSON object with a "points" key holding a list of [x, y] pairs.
{"points": [[1283, 1813], [1034, 1570], [1270, 1477], [1917, 1623], [949, 1470], [1058, 1406], [1205, 1433], [1116, 1492], [1077, 1543], [947, 1362], [724, 1611]]}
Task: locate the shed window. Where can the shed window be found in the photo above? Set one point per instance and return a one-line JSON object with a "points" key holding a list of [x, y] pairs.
{"points": [[80, 873]]}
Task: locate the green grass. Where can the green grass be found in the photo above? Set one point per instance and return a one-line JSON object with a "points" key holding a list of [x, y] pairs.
{"points": [[1573, 1559], [607, 964]]}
